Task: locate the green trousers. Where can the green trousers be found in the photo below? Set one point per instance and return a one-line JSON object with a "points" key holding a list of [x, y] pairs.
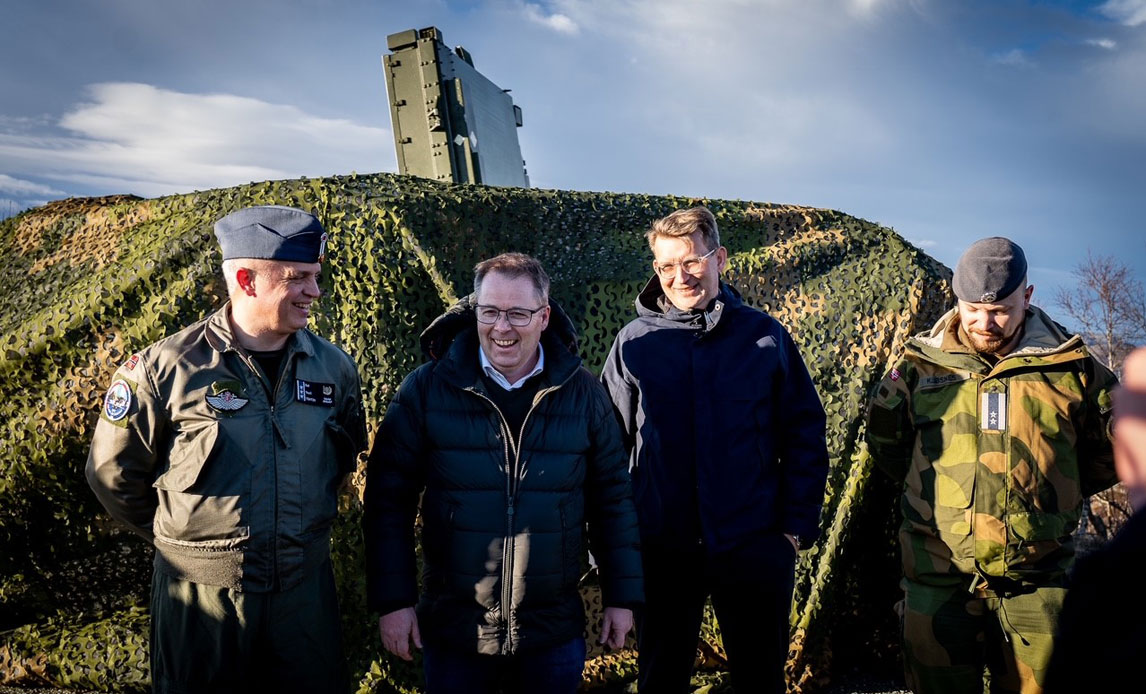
{"points": [[951, 636], [210, 639]]}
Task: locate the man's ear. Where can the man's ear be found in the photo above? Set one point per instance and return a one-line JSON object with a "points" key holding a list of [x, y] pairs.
{"points": [[246, 280]]}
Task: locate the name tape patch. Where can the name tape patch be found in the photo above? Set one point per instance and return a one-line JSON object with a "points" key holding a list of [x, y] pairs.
{"points": [[313, 393], [945, 379]]}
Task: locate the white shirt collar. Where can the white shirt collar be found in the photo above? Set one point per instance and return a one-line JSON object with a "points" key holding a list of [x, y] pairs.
{"points": [[497, 377]]}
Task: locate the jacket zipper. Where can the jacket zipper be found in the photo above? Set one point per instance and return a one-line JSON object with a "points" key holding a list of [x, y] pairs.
{"points": [[511, 498], [272, 395]]}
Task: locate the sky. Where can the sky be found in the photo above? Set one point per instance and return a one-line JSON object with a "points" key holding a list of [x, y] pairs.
{"points": [[947, 120]]}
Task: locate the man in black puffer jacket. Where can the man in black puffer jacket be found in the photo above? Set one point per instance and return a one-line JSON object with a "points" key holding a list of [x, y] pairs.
{"points": [[513, 447]]}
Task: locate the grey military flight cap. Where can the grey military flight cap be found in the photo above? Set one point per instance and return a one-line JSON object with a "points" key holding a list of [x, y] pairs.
{"points": [[272, 232], [989, 270]]}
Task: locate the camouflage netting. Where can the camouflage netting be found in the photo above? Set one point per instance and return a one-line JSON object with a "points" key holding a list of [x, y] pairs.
{"points": [[89, 281]]}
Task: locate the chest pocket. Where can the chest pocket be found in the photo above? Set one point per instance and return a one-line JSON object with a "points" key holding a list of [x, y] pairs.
{"points": [[947, 445], [321, 453], [190, 454]]}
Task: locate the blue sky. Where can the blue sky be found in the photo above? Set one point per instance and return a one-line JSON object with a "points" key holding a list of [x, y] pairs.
{"points": [[948, 120]]}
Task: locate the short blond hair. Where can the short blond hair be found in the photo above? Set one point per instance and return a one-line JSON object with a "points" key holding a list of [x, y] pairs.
{"points": [[685, 223]]}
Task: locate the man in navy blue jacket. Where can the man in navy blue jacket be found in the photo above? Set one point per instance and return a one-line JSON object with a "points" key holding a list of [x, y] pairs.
{"points": [[728, 459]]}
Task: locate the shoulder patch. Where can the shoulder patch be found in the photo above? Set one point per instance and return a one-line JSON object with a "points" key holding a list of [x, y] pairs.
{"points": [[895, 375], [117, 402], [131, 363]]}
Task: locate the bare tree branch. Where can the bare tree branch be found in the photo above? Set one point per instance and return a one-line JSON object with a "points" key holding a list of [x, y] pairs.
{"points": [[1107, 306]]}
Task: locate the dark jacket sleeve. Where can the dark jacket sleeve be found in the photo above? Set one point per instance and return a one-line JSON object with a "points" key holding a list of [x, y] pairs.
{"points": [[614, 537], [1096, 457], [124, 453], [622, 392], [890, 428], [801, 447], [394, 479]]}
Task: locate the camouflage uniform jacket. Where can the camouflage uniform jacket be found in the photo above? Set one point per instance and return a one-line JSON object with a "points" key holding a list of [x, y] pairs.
{"points": [[995, 460], [234, 479]]}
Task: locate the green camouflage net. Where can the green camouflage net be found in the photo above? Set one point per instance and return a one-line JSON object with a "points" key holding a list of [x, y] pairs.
{"points": [[89, 281]]}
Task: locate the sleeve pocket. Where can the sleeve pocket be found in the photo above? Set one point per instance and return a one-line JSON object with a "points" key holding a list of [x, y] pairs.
{"points": [[344, 448], [188, 457]]}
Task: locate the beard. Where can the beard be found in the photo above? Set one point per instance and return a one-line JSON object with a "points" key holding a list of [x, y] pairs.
{"points": [[988, 343]]}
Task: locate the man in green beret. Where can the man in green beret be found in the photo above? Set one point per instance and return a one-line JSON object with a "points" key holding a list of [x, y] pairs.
{"points": [[996, 423], [225, 445]]}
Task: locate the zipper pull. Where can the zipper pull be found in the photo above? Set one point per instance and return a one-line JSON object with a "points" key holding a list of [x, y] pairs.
{"points": [[509, 509]]}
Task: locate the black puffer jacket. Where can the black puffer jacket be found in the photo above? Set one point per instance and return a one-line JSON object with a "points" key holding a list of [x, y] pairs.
{"points": [[502, 530]]}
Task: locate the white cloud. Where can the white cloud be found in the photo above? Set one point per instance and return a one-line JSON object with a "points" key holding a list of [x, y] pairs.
{"points": [[1108, 44], [1015, 57], [923, 243], [137, 138], [1128, 12], [556, 21], [18, 186]]}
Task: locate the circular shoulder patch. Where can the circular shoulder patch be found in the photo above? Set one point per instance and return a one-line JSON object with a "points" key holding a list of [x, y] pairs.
{"points": [[117, 401]]}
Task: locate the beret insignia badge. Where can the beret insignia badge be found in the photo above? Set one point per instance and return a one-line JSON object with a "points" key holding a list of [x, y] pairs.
{"points": [[988, 298]]}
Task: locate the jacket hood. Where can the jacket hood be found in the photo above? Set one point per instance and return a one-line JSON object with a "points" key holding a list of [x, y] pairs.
{"points": [[1042, 336], [652, 303]]}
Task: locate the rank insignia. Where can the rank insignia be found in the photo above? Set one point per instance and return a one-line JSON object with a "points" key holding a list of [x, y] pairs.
{"points": [[895, 375], [993, 412], [226, 396], [117, 401], [314, 393]]}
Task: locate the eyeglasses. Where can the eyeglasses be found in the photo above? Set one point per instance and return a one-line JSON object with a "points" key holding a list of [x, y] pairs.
{"points": [[517, 317], [690, 265]]}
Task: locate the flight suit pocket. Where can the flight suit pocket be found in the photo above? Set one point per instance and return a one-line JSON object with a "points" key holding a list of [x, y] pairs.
{"points": [[188, 457], [345, 452]]}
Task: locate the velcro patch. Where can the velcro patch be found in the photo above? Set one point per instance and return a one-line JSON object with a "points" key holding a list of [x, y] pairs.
{"points": [[117, 401], [313, 393]]}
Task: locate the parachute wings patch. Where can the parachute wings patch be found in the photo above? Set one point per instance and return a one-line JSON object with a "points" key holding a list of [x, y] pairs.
{"points": [[226, 396]]}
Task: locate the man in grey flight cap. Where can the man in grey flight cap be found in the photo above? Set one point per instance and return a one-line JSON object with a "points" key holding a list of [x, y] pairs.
{"points": [[996, 423], [224, 445]]}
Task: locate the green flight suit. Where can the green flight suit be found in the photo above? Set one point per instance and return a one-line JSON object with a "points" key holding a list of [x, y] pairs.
{"points": [[235, 480]]}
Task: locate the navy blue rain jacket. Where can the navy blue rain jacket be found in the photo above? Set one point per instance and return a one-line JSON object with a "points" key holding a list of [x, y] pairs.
{"points": [[723, 424]]}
